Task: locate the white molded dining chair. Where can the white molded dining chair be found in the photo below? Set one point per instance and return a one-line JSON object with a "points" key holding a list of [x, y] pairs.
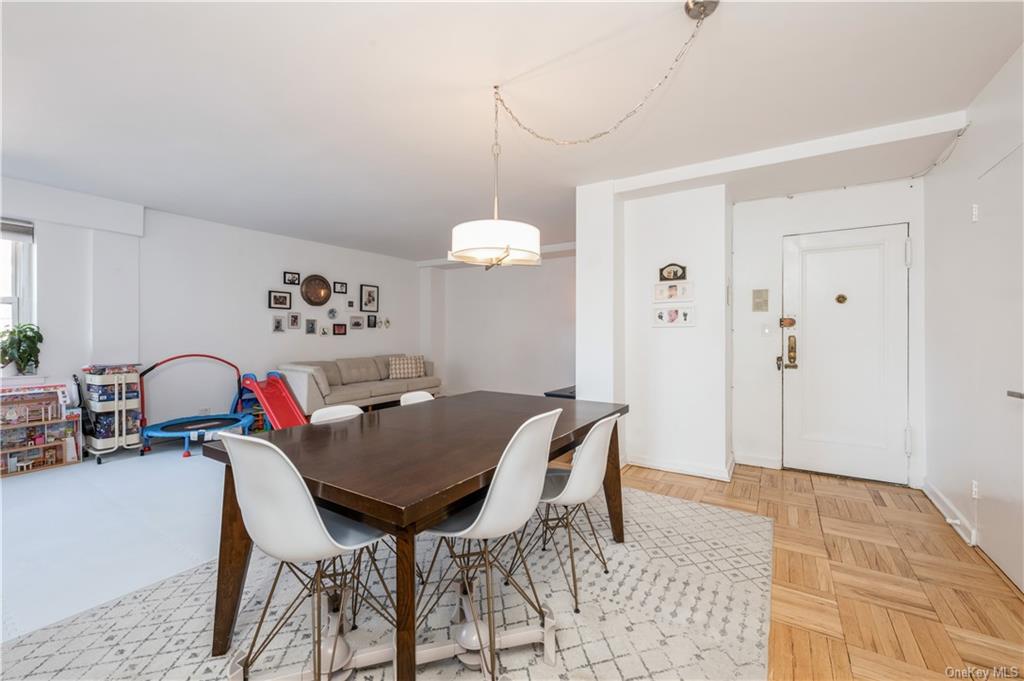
{"points": [[336, 412], [511, 499], [414, 397], [570, 490], [283, 521]]}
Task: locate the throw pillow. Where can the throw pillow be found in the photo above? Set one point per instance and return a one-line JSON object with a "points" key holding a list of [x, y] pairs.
{"points": [[406, 366]]}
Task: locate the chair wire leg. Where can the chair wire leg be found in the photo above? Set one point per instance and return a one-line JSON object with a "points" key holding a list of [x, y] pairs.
{"points": [[597, 542], [572, 562], [317, 587], [529, 578], [357, 566], [544, 532], [247, 662], [491, 643]]}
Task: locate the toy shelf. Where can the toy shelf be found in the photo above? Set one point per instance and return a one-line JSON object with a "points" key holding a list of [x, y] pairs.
{"points": [[113, 403], [37, 429]]}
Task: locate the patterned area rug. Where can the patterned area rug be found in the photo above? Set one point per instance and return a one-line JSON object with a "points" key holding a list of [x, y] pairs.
{"points": [[687, 597]]}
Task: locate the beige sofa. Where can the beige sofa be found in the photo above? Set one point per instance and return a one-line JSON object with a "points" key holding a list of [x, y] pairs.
{"points": [[362, 381]]}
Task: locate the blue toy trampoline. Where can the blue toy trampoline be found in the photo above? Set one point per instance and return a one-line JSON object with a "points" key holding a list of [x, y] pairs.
{"points": [[195, 428]]}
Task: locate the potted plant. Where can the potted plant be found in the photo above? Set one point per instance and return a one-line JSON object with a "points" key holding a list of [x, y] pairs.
{"points": [[20, 345]]}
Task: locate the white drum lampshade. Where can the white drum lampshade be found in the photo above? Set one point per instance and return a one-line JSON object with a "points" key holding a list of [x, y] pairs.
{"points": [[494, 242]]}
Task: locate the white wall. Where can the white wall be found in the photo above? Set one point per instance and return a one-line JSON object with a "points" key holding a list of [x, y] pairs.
{"points": [[598, 300], [433, 318], [63, 298], [758, 228], [41, 203], [204, 289], [117, 283], [975, 295], [676, 380], [510, 329]]}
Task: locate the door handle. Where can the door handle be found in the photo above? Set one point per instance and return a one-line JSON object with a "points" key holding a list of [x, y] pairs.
{"points": [[791, 353], [1015, 393]]}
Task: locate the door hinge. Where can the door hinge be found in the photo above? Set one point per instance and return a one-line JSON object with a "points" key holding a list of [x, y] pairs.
{"points": [[908, 252], [907, 440]]}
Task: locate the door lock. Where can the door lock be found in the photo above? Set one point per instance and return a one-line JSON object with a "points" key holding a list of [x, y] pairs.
{"points": [[791, 353]]}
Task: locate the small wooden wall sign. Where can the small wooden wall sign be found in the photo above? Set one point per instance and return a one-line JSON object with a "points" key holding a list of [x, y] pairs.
{"points": [[672, 272]]}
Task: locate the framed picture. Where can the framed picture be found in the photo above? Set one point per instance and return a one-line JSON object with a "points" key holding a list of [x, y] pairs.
{"points": [[672, 272], [340, 329], [371, 321], [279, 300], [369, 298], [294, 320], [278, 326], [311, 327], [670, 291], [340, 287], [355, 322], [674, 315], [291, 278]]}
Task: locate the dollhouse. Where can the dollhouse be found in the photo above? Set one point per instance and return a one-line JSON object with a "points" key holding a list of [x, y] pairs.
{"points": [[38, 429]]}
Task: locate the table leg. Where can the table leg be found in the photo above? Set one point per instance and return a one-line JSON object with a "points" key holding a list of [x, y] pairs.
{"points": [[405, 605], [613, 487], [235, 549]]}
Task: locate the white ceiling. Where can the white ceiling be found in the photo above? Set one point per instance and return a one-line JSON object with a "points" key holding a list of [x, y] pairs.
{"points": [[368, 125]]}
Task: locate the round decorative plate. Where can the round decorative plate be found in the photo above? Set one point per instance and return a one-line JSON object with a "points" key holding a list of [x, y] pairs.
{"points": [[315, 290]]}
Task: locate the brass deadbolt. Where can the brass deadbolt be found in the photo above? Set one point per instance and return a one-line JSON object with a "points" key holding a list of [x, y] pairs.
{"points": [[841, 298]]}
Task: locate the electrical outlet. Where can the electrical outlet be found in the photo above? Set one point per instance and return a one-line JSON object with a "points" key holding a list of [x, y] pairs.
{"points": [[974, 489], [205, 411], [974, 212]]}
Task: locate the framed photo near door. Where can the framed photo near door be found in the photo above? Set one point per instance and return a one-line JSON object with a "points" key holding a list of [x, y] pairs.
{"points": [[673, 291], [369, 298], [672, 272], [672, 316]]}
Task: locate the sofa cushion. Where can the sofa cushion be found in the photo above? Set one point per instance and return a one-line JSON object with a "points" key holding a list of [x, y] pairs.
{"points": [[330, 370], [316, 373], [348, 393], [391, 386], [424, 383], [407, 367], [384, 365], [358, 370]]}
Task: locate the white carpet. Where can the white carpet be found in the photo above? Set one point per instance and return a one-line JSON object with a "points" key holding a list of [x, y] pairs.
{"points": [[687, 598]]}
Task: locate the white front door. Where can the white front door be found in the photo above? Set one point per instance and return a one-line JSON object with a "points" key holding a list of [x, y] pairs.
{"points": [[845, 357]]}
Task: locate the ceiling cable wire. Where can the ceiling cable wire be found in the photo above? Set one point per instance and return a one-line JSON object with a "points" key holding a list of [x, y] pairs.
{"points": [[944, 156], [680, 55]]}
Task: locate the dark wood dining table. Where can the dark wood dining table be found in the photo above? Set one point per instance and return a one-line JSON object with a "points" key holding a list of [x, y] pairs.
{"points": [[403, 470]]}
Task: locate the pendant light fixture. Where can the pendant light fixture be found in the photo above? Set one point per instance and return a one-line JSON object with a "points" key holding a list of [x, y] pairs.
{"points": [[495, 241]]}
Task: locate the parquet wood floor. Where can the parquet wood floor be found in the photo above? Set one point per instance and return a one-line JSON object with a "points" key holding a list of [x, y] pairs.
{"points": [[869, 582]]}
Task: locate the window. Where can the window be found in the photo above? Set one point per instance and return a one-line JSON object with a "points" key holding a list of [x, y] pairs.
{"points": [[16, 273]]}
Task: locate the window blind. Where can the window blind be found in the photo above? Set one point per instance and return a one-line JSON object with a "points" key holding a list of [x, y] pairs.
{"points": [[17, 230]]}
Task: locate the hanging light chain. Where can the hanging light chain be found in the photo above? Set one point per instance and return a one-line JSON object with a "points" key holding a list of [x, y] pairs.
{"points": [[496, 150], [498, 99]]}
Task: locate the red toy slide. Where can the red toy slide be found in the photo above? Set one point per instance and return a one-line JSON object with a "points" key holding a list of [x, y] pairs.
{"points": [[277, 400]]}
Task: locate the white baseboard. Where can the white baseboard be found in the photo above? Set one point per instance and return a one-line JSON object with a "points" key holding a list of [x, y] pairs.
{"points": [[759, 460], [965, 529], [687, 469]]}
